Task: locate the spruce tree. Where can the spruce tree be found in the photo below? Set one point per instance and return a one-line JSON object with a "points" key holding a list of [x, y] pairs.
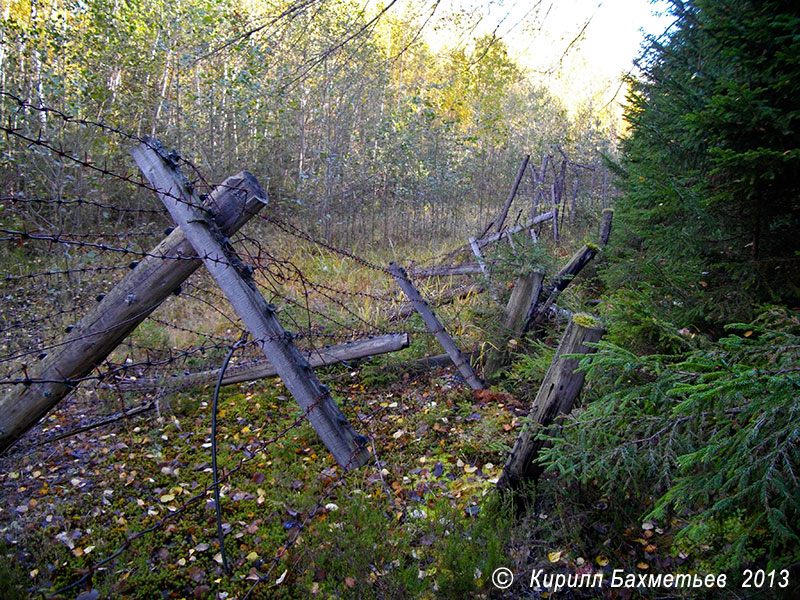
{"points": [[711, 203]]}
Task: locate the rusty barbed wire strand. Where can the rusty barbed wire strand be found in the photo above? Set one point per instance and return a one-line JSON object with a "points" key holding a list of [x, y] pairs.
{"points": [[319, 310]]}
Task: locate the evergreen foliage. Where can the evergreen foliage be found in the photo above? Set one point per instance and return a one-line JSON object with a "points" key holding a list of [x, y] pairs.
{"points": [[711, 433], [712, 164], [693, 422]]}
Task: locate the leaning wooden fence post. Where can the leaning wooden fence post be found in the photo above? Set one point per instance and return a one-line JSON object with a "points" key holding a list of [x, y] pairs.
{"points": [[579, 260], [501, 217], [435, 327], [560, 282], [139, 293], [556, 396], [221, 261]]}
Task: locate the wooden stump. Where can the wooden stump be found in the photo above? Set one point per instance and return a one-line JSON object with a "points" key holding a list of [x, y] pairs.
{"points": [[556, 396], [523, 298]]}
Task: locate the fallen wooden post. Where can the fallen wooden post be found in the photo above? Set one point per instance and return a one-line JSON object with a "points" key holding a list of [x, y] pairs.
{"points": [[480, 243], [320, 357], [349, 449], [511, 230], [524, 295], [435, 327], [556, 396], [95, 336]]}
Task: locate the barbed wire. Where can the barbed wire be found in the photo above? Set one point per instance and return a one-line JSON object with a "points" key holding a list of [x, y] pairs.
{"points": [[320, 310]]}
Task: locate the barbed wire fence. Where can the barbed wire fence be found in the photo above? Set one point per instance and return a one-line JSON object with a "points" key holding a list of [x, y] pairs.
{"points": [[68, 240]]}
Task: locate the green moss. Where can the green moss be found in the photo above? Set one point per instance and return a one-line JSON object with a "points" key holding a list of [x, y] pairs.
{"points": [[587, 320], [592, 246]]}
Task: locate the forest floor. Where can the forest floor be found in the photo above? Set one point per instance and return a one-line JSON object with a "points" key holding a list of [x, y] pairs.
{"points": [[127, 510], [420, 520], [294, 525]]}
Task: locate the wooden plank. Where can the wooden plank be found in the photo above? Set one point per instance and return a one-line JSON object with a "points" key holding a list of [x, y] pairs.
{"points": [[561, 385], [435, 327], [130, 301], [320, 357], [349, 449]]}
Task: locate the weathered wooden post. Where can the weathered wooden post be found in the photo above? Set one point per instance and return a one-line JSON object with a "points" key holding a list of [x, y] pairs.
{"points": [[348, 448], [554, 202], [435, 327], [575, 265], [573, 202], [524, 296], [497, 223], [560, 282], [95, 336], [556, 396], [538, 183], [605, 226]]}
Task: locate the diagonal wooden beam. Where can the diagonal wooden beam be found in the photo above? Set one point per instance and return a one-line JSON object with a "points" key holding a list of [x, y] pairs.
{"points": [[435, 327], [348, 448]]}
